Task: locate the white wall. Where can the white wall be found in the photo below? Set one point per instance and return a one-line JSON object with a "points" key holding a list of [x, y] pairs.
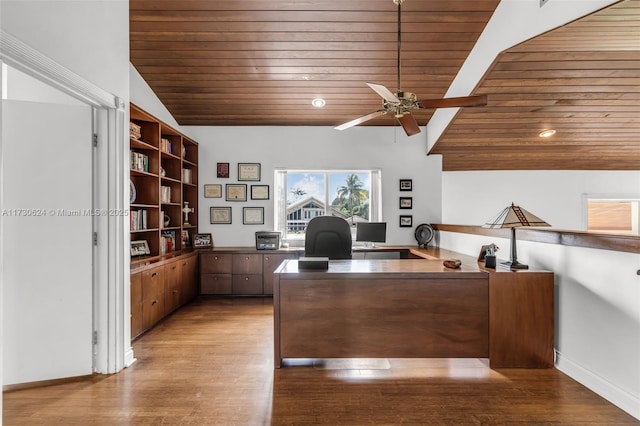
{"points": [[597, 291], [318, 148], [88, 37]]}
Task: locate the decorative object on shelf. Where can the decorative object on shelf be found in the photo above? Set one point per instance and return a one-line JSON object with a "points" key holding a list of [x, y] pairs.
{"points": [[406, 202], [202, 241], [186, 210], [486, 249], [253, 215], [406, 184], [132, 192], [514, 217], [220, 215], [424, 234], [163, 172], [167, 242], [236, 192], [452, 263], [186, 239], [166, 220], [140, 248], [249, 171], [134, 131], [183, 152], [222, 170], [259, 192], [406, 221], [212, 190]]}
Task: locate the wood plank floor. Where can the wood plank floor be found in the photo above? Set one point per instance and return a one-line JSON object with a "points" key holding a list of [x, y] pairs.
{"points": [[211, 363]]}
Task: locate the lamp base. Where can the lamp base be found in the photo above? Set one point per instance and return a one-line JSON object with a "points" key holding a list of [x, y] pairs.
{"points": [[513, 264]]}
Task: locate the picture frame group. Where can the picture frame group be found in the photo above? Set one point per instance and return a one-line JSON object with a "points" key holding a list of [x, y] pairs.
{"points": [[202, 241]]}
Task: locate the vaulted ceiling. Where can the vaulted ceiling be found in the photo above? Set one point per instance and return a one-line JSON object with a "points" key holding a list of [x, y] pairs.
{"points": [[256, 62]]}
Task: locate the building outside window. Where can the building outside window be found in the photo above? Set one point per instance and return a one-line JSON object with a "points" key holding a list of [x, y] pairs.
{"points": [[301, 195]]}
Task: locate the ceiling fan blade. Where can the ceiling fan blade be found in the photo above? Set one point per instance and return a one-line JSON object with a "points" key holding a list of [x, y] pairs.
{"points": [[409, 124], [359, 120], [463, 101], [384, 92]]}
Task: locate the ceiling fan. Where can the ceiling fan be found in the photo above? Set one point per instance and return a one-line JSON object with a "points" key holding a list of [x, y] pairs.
{"points": [[401, 103]]}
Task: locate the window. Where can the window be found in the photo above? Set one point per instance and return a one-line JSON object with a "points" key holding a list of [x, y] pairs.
{"points": [[301, 195], [619, 215]]}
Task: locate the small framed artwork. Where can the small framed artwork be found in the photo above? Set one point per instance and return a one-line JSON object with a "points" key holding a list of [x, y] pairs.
{"points": [[406, 221], [202, 241], [236, 192], [259, 192], [406, 202], [222, 170], [186, 239], [213, 190], [406, 184], [220, 215], [140, 248], [249, 171], [253, 215]]}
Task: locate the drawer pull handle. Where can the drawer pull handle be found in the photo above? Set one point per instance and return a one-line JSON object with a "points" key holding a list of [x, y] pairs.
{"points": [[246, 278], [154, 274], [184, 264], [175, 292], [246, 258], [174, 267], [154, 302], [215, 257], [266, 258]]}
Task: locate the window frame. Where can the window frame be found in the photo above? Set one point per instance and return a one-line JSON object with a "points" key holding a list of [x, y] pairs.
{"points": [[633, 198]]}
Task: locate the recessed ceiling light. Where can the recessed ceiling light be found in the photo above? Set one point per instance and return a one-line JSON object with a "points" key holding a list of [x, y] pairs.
{"points": [[547, 133], [318, 102]]}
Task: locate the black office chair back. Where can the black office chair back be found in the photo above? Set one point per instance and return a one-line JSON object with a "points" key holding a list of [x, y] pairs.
{"points": [[328, 236]]}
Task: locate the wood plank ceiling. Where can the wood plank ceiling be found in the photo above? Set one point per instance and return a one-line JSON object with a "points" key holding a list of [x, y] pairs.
{"points": [[255, 62]]}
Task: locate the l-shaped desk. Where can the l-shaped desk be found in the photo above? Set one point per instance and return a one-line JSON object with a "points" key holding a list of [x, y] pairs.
{"points": [[414, 308]]}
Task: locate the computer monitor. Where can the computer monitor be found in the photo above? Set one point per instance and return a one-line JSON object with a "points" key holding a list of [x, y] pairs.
{"points": [[371, 232]]}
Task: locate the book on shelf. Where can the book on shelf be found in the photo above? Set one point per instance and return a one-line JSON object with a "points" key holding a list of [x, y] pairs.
{"points": [[138, 220], [166, 145], [134, 130], [165, 194], [167, 241], [186, 175], [139, 161]]}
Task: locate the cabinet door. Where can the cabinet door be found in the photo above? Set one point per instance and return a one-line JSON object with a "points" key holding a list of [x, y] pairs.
{"points": [[136, 304], [189, 284], [152, 296], [172, 280], [270, 263], [247, 264], [247, 284], [214, 263], [215, 284]]}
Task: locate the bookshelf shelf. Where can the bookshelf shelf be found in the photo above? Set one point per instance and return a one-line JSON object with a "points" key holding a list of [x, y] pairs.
{"points": [[159, 157]]}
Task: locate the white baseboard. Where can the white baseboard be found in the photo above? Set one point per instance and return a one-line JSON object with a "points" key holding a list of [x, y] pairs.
{"points": [[612, 393], [129, 359]]}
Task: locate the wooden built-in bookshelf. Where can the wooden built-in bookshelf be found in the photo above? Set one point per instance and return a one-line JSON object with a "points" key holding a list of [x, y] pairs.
{"points": [[164, 176]]}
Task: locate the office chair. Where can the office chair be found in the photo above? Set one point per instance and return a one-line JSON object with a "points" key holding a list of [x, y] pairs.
{"points": [[328, 236]]}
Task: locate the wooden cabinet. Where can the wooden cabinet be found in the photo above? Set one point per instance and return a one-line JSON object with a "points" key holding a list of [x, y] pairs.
{"points": [[164, 180], [239, 272], [161, 288], [152, 296], [269, 264]]}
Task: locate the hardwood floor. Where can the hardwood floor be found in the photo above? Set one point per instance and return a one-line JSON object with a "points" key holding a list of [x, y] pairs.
{"points": [[211, 363]]}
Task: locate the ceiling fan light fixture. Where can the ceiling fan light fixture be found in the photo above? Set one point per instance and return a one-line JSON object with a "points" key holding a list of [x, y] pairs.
{"points": [[318, 103], [547, 133]]}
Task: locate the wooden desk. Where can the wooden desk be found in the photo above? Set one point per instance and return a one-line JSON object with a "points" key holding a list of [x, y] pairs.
{"points": [[413, 308]]}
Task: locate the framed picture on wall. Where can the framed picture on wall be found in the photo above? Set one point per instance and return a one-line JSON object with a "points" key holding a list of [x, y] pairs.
{"points": [[222, 170], [259, 192], [406, 184], [406, 221], [213, 190], [220, 215], [406, 202], [249, 171], [253, 215], [236, 192]]}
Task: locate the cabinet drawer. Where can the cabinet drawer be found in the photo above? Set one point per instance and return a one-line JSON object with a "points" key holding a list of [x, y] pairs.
{"points": [[271, 262], [215, 284], [152, 283], [247, 264], [247, 284], [213, 263]]}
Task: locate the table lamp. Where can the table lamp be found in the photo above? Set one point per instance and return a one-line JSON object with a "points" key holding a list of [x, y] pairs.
{"points": [[514, 217]]}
